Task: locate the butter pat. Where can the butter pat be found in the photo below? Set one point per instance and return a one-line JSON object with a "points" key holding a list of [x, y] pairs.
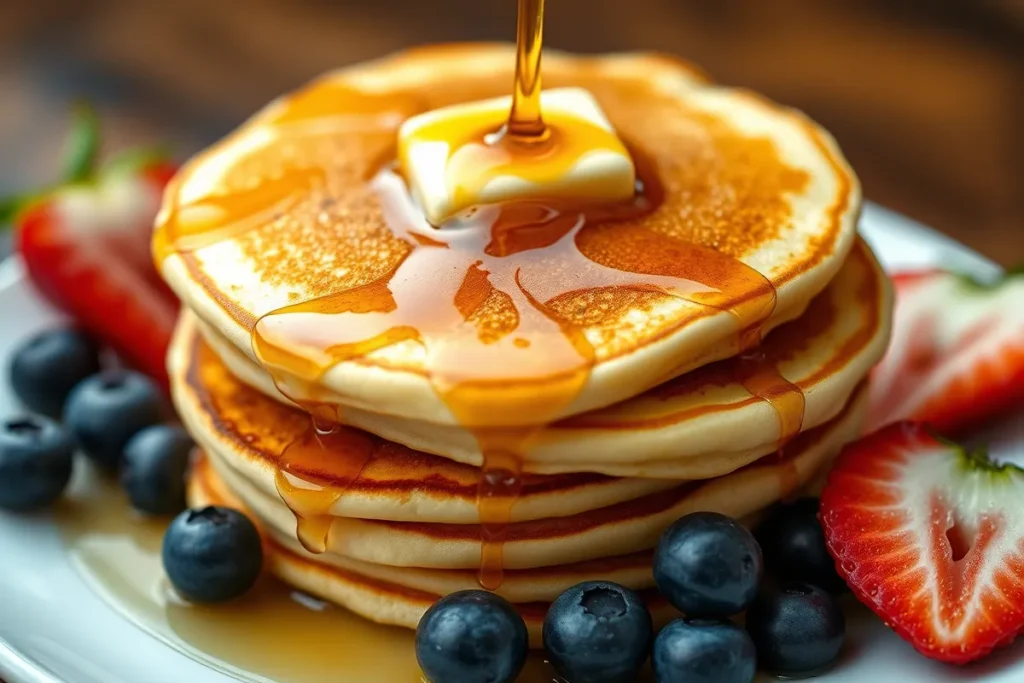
{"points": [[457, 157]]}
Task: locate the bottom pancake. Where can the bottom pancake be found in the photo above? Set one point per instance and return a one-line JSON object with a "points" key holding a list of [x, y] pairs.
{"points": [[383, 601]]}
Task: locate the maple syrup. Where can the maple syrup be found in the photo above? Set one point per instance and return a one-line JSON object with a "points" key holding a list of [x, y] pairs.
{"points": [[530, 263], [498, 490], [525, 120], [313, 472], [273, 633], [761, 377]]}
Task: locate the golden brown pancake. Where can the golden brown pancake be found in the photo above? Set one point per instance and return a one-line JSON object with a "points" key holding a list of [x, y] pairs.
{"points": [[369, 596], [624, 528], [249, 432], [294, 234], [703, 424]]}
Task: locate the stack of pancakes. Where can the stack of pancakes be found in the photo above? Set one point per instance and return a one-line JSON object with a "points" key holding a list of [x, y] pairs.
{"points": [[367, 465]]}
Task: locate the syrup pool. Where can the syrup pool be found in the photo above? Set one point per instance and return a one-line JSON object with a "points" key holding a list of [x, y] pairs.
{"points": [[273, 634]]}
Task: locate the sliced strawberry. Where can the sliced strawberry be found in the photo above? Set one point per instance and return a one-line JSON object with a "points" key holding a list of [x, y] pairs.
{"points": [[957, 352], [86, 247], [931, 538], [90, 276]]}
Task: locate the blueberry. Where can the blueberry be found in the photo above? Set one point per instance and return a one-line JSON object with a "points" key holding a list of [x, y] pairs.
{"points": [[47, 367], [798, 630], [106, 410], [471, 637], [598, 632], [794, 546], [35, 462], [703, 651], [212, 554], [707, 565], [153, 476]]}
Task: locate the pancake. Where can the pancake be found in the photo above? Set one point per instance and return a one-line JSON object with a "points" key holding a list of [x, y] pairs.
{"points": [[294, 241], [249, 432], [620, 529], [542, 584], [697, 426], [525, 585], [374, 597]]}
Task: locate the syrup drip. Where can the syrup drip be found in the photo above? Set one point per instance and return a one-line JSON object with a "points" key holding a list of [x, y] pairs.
{"points": [[525, 119], [757, 370], [498, 491], [316, 468], [761, 377]]}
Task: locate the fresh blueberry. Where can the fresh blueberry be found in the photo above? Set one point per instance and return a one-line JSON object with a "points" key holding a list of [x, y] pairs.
{"points": [[700, 651], [707, 565], [106, 410], [798, 630], [471, 637], [598, 632], [35, 462], [212, 554], [794, 546], [153, 475], [47, 367]]}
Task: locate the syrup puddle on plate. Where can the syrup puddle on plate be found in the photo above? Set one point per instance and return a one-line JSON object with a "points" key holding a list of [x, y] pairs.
{"points": [[274, 634]]}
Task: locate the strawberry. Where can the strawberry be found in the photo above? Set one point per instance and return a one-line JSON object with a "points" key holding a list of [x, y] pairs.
{"points": [[85, 245], [931, 538], [957, 352]]}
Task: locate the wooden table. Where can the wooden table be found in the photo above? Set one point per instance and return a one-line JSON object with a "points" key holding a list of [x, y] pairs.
{"points": [[924, 95]]}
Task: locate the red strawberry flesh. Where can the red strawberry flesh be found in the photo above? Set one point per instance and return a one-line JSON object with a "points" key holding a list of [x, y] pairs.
{"points": [[87, 250], [930, 538], [957, 355]]}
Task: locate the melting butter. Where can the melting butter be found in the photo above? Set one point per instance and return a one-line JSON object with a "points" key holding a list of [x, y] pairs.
{"points": [[463, 156]]}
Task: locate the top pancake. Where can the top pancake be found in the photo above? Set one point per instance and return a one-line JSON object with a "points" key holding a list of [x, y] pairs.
{"points": [[703, 424], [297, 209]]}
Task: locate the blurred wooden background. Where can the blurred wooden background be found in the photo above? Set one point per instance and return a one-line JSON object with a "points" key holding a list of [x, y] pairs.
{"points": [[924, 96]]}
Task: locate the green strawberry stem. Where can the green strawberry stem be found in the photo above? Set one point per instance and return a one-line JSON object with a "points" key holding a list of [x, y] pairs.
{"points": [[8, 208], [82, 147], [78, 165], [978, 459]]}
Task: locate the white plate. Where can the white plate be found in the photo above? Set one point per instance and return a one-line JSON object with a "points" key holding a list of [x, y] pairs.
{"points": [[53, 627]]}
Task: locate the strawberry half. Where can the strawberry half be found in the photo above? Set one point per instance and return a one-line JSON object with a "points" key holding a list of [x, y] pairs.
{"points": [[957, 352], [86, 248], [931, 538]]}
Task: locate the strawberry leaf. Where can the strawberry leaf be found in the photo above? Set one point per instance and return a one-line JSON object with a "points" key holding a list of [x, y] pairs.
{"points": [[82, 145]]}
